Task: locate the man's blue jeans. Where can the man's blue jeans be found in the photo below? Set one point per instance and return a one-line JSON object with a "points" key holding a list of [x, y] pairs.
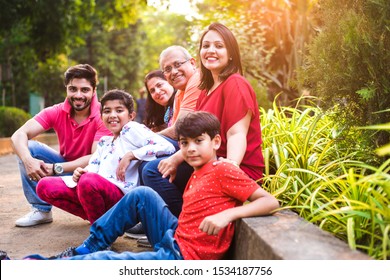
{"points": [[172, 193], [43, 152], [139, 205]]}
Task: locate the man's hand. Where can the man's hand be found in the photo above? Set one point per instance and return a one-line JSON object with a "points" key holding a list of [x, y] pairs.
{"points": [[168, 167], [37, 169]]}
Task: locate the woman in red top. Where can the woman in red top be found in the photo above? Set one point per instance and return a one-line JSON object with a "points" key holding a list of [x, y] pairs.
{"points": [[230, 97]]}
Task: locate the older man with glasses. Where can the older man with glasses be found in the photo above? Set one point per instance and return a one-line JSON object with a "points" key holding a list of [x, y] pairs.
{"points": [[180, 70]]}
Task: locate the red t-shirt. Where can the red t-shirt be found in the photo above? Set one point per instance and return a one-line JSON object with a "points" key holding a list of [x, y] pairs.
{"points": [[75, 140], [210, 190], [230, 102]]}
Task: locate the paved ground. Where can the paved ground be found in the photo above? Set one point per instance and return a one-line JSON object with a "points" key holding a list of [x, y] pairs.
{"points": [[48, 239]]}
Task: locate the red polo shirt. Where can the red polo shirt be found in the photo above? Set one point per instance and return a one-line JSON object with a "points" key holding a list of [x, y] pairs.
{"points": [[75, 140]]}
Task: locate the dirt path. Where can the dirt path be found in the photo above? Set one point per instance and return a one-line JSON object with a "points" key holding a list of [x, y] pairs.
{"points": [[48, 239]]}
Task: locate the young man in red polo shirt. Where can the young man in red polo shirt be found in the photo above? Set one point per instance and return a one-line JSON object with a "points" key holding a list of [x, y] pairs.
{"points": [[78, 126]]}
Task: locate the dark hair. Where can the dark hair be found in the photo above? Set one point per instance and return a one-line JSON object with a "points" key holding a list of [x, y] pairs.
{"points": [[116, 94], [81, 71], [233, 51], [154, 111], [196, 123]]}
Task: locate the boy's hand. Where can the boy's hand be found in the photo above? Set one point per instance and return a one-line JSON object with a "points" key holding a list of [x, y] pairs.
{"points": [[213, 224], [77, 173]]}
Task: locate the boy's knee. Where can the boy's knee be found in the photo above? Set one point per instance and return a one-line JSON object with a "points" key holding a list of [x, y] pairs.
{"points": [[140, 193], [87, 178]]}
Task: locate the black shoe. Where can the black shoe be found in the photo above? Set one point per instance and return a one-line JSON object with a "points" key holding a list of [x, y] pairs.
{"points": [[4, 256], [67, 253], [144, 242], [135, 232]]}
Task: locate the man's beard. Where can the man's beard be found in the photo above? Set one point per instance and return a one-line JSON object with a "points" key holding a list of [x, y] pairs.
{"points": [[80, 107]]}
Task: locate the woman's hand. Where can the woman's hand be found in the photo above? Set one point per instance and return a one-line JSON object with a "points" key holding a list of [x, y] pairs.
{"points": [[222, 159]]}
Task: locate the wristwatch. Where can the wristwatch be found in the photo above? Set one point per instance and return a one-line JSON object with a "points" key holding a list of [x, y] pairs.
{"points": [[58, 169]]}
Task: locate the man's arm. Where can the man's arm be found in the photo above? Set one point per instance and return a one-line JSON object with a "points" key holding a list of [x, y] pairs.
{"points": [[35, 168], [70, 166], [83, 161], [261, 203]]}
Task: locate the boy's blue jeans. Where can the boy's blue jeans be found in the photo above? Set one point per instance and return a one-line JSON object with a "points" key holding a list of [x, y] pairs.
{"points": [[43, 152], [139, 205]]}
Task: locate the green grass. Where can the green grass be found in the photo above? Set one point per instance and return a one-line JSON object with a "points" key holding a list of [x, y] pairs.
{"points": [[326, 184]]}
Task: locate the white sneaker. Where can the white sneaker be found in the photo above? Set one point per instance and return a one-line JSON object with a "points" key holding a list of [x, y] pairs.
{"points": [[35, 217]]}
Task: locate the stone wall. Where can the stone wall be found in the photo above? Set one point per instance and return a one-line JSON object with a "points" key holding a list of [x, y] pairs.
{"points": [[286, 236]]}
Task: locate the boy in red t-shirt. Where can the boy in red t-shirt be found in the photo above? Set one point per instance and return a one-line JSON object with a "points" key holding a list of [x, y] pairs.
{"points": [[213, 200]]}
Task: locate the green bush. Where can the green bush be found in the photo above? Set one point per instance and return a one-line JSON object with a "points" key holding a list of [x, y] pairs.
{"points": [[348, 64], [328, 185], [11, 119]]}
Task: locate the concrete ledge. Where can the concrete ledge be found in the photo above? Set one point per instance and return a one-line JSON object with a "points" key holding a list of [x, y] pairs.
{"points": [[286, 236], [47, 138]]}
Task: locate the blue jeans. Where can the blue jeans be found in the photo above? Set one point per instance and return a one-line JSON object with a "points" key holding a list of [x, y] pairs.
{"points": [[43, 152], [172, 193], [172, 141], [139, 205]]}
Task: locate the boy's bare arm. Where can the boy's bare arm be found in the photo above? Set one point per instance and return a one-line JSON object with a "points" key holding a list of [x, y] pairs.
{"points": [[261, 203]]}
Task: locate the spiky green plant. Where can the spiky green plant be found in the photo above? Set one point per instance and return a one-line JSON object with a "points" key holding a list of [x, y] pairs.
{"points": [[326, 185]]}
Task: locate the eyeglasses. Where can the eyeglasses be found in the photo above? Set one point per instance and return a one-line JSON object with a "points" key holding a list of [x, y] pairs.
{"points": [[176, 65]]}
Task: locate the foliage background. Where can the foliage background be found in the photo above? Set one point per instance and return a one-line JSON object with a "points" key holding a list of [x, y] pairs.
{"points": [[335, 50]]}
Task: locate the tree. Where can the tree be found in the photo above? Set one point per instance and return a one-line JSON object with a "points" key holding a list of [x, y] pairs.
{"points": [[272, 35], [348, 63], [35, 32]]}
